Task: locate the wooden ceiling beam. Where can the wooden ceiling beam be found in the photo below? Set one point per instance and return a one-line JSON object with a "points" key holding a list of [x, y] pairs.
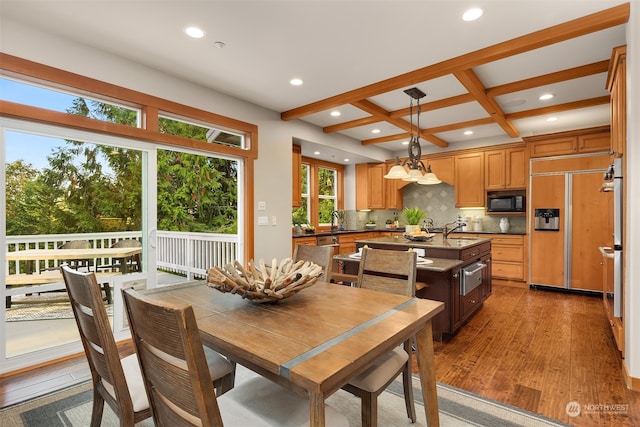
{"points": [[351, 124], [389, 138], [598, 21], [559, 76], [470, 80], [585, 103]]}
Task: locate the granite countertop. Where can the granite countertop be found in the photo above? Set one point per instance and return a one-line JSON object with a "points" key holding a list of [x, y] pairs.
{"points": [[436, 242], [399, 230], [439, 265]]}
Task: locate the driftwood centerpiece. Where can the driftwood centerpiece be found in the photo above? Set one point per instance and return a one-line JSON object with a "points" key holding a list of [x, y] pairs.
{"points": [[262, 282]]}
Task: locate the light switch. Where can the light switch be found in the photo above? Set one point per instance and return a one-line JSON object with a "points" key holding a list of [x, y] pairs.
{"points": [[273, 220], [262, 206], [263, 220]]}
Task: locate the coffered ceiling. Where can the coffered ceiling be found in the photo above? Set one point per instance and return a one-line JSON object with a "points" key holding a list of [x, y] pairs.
{"points": [[358, 57]]}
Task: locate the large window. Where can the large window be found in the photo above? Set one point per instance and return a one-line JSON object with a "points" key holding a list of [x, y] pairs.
{"points": [[322, 192]]}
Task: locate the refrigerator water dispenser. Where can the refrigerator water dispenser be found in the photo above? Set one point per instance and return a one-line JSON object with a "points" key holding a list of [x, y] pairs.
{"points": [[547, 220]]}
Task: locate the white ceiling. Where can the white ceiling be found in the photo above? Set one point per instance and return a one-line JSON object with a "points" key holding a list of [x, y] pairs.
{"points": [[340, 46]]}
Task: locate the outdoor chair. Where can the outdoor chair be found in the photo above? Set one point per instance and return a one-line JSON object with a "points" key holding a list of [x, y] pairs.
{"points": [[393, 272], [116, 381], [320, 255], [178, 384], [76, 263], [133, 262]]}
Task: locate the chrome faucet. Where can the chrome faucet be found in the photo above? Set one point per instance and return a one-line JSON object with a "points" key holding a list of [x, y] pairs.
{"points": [[446, 231], [335, 215]]}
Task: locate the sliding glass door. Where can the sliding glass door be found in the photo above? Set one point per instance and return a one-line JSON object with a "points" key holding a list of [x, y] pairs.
{"points": [[60, 185]]}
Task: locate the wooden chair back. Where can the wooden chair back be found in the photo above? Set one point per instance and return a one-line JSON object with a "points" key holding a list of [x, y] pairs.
{"points": [[321, 255], [388, 271], [99, 345], [174, 367]]}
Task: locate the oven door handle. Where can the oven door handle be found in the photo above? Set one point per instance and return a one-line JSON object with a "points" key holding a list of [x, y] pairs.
{"points": [[471, 272]]}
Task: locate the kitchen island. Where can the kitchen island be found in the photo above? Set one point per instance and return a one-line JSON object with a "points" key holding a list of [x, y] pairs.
{"points": [[460, 275]]}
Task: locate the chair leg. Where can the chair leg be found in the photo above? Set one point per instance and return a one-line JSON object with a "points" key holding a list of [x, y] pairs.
{"points": [[224, 384], [407, 384], [96, 411]]}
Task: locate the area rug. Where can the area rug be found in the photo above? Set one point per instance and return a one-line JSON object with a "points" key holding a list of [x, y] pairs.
{"points": [[72, 407], [45, 306]]}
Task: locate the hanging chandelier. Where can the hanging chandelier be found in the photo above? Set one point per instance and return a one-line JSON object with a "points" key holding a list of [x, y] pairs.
{"points": [[413, 162]]}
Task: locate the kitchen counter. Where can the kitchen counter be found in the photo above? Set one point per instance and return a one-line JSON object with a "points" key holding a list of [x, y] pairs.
{"points": [[439, 265], [437, 242], [396, 230]]}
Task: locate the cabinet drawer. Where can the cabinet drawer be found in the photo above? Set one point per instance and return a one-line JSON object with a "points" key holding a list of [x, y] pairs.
{"points": [[507, 240], [507, 253], [507, 270], [469, 302], [475, 251]]}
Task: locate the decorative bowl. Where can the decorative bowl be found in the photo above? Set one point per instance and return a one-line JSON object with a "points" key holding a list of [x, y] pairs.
{"points": [[262, 282], [418, 237]]}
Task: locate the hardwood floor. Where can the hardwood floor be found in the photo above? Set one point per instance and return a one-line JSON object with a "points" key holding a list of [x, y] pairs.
{"points": [[537, 350]]}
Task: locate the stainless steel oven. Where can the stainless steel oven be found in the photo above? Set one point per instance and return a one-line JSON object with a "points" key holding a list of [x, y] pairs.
{"points": [[471, 277], [613, 182]]}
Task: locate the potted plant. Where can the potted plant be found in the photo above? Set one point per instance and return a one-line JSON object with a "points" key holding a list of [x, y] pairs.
{"points": [[389, 223], [370, 224], [412, 216]]}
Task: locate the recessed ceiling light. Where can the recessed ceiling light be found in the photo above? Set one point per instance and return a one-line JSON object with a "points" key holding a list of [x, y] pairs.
{"points": [[552, 119], [468, 132], [346, 160], [335, 113], [405, 142], [194, 32], [375, 131], [296, 82], [472, 14], [546, 96], [219, 44], [316, 153]]}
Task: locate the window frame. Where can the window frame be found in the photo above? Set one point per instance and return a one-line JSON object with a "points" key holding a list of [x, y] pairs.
{"points": [[313, 188]]}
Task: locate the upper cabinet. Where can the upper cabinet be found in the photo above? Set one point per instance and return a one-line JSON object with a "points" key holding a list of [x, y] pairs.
{"points": [[469, 180], [393, 191], [296, 195], [370, 186], [616, 84], [442, 167], [592, 140], [505, 169]]}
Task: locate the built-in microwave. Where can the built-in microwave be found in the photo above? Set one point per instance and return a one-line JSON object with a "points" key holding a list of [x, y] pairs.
{"points": [[505, 203]]}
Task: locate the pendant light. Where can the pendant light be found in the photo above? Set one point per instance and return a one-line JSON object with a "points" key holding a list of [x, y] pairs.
{"points": [[413, 162]]}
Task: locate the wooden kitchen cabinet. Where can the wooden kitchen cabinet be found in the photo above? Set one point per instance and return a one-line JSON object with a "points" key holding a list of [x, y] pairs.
{"points": [[508, 257], [370, 186], [591, 140], [306, 240], [393, 191], [469, 180], [616, 84], [442, 167], [296, 175]]}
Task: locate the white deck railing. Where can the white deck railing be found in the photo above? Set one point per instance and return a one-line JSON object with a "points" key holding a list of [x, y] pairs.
{"points": [[187, 254]]}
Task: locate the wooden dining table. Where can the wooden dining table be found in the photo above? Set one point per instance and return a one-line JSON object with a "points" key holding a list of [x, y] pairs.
{"points": [[316, 340]]}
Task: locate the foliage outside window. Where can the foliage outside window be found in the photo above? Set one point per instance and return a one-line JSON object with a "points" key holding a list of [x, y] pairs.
{"points": [[322, 188]]}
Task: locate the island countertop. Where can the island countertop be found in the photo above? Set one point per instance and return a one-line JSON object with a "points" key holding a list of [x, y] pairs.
{"points": [[439, 265], [436, 242]]}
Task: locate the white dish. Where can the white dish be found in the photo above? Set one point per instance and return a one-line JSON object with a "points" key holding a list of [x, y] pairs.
{"points": [[355, 256], [424, 261]]}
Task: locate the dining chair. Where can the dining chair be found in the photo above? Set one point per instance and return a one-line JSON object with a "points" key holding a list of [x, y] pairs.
{"points": [[133, 262], [119, 381], [320, 255], [115, 381], [178, 385], [393, 272]]}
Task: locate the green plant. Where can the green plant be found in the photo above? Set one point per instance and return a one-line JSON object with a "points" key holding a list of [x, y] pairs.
{"points": [[412, 216], [371, 221]]}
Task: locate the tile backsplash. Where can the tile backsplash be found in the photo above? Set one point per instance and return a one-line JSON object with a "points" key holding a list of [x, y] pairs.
{"points": [[438, 201]]}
